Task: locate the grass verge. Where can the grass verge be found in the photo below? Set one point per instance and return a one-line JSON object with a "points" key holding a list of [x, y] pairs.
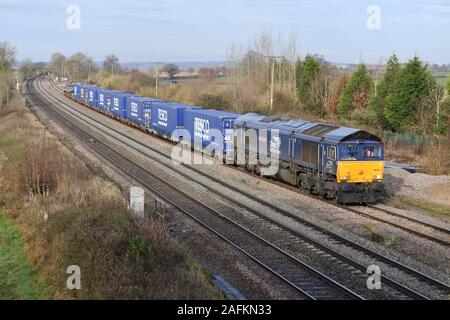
{"points": [[57, 214], [433, 209], [17, 279]]}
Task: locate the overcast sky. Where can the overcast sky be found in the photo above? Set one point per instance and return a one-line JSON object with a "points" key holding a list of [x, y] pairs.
{"points": [[199, 30]]}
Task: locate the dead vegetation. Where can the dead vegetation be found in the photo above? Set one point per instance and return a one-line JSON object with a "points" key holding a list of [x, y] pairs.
{"points": [[69, 217]]}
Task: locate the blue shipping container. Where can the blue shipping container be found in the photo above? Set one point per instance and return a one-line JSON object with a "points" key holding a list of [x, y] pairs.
{"points": [[102, 95], [117, 103], [76, 91], [167, 117], [92, 96], [139, 109], [83, 93], [211, 128]]}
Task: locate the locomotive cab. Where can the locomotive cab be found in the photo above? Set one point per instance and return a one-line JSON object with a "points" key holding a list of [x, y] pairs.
{"points": [[359, 171]]}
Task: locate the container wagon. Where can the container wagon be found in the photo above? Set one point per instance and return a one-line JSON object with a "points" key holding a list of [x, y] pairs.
{"points": [[92, 97], [139, 110], [116, 104], [102, 95], [76, 91], [166, 117], [211, 129]]}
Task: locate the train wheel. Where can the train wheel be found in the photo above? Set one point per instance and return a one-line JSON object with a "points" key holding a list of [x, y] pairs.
{"points": [[336, 198]]}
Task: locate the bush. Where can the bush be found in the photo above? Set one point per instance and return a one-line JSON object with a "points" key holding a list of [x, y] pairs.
{"points": [[366, 116], [213, 101], [437, 159], [74, 218]]}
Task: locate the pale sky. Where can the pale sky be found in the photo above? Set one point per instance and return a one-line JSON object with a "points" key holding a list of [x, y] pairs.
{"points": [[203, 30]]}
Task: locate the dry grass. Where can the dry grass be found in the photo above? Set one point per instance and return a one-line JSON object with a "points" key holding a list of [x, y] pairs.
{"points": [[437, 158], [69, 217], [433, 209]]}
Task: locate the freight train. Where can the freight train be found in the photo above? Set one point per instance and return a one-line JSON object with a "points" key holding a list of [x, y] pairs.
{"points": [[338, 163]]}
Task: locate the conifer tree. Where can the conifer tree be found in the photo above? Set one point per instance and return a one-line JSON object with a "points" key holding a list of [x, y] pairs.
{"points": [[357, 93], [307, 71], [411, 87], [384, 89]]}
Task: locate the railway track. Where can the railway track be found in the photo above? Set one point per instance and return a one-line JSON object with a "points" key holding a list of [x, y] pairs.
{"points": [[359, 210], [410, 218], [320, 248], [309, 282]]}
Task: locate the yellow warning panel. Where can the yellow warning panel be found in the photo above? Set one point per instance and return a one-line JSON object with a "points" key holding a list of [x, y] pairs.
{"points": [[360, 171]]}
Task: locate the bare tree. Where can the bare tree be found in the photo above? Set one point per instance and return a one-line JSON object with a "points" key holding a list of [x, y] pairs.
{"points": [[430, 110], [7, 62], [249, 69], [27, 68], [171, 69], [57, 63], [111, 62], [79, 66]]}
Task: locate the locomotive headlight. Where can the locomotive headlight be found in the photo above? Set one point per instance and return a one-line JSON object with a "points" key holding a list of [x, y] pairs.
{"points": [[346, 178], [377, 177]]}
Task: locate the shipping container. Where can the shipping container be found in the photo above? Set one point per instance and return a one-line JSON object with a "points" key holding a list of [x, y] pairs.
{"points": [[76, 91], [92, 96], [102, 95], [211, 129], [166, 117], [139, 110], [83, 93], [116, 101]]}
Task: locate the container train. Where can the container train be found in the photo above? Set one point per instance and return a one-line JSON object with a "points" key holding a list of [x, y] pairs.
{"points": [[338, 163]]}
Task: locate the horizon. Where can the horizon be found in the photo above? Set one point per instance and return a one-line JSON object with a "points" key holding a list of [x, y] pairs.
{"points": [[204, 31]]}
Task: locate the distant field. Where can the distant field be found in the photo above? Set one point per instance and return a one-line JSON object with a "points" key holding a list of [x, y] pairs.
{"points": [[441, 77]]}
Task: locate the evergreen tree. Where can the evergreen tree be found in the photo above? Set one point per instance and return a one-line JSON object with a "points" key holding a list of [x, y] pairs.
{"points": [[411, 87], [384, 89], [357, 93], [306, 71]]}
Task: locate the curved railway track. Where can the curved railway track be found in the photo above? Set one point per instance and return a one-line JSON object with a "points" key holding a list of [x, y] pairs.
{"points": [[309, 282], [353, 209], [333, 238]]}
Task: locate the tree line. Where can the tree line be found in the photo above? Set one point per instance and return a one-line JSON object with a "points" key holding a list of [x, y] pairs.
{"points": [[406, 99]]}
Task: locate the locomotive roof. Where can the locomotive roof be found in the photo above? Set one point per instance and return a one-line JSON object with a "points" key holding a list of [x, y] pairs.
{"points": [[316, 131]]}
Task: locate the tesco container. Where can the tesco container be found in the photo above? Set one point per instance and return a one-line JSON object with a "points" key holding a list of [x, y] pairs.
{"points": [[117, 103], [211, 129], [139, 109], [92, 96], [83, 93], [166, 117], [76, 91], [102, 95]]}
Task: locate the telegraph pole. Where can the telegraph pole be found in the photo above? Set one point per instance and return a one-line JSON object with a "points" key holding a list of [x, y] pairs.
{"points": [[157, 78], [112, 74], [272, 79]]}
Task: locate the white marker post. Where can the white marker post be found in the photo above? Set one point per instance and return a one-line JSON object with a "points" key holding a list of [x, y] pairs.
{"points": [[137, 200]]}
